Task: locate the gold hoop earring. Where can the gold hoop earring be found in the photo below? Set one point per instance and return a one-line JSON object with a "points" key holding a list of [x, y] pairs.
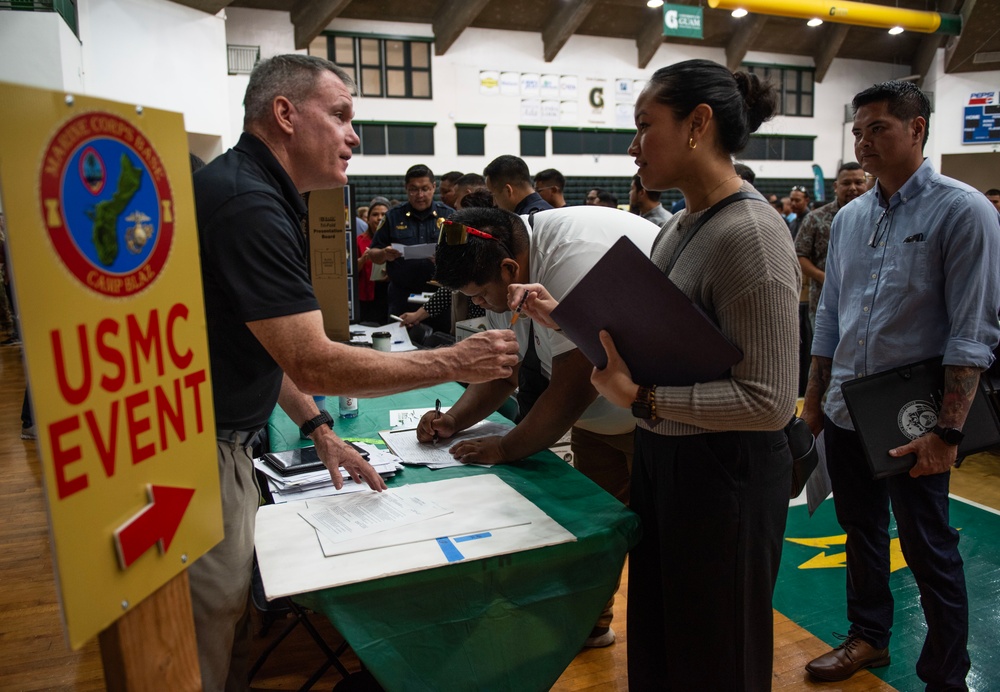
{"points": [[692, 144]]}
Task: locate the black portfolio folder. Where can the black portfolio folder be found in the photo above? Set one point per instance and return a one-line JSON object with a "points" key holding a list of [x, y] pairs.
{"points": [[662, 336], [891, 408], [303, 460]]}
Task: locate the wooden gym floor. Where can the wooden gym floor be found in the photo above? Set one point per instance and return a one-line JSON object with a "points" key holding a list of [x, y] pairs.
{"points": [[34, 655]]}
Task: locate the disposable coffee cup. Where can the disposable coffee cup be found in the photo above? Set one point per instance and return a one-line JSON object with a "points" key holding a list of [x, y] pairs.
{"points": [[382, 341]]}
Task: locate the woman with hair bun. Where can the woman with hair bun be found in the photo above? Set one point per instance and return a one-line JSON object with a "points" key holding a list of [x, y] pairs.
{"points": [[712, 470]]}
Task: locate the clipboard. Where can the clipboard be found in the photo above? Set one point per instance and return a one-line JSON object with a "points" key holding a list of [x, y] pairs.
{"points": [[891, 408], [663, 337]]}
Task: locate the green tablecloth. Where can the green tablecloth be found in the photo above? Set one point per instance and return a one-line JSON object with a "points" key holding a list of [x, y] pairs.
{"points": [[512, 622]]}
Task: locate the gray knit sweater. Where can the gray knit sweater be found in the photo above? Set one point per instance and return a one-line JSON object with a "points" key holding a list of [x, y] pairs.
{"points": [[741, 269]]}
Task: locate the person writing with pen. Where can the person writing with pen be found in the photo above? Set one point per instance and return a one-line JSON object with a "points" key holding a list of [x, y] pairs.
{"points": [[712, 468], [480, 252]]}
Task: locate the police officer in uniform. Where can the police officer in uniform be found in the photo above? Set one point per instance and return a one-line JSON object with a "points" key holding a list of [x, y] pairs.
{"points": [[411, 223]]}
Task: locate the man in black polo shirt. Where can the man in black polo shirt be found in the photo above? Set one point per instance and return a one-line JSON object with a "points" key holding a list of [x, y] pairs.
{"points": [[265, 330], [509, 181], [411, 223]]}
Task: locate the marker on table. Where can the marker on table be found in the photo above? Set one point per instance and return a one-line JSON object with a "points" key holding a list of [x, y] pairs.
{"points": [[517, 310], [437, 414]]}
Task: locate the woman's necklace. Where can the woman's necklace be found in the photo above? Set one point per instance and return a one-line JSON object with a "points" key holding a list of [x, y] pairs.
{"points": [[705, 198]]}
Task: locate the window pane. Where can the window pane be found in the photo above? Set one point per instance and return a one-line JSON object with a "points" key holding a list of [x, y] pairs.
{"points": [[807, 105], [791, 80], [373, 140], [421, 85], [471, 141], [420, 54], [318, 47], [563, 142], [621, 141], [371, 81], [798, 149], [791, 105], [410, 139], [807, 81], [395, 83], [349, 69], [756, 150], [773, 148], [370, 52], [593, 142], [394, 55], [533, 142], [357, 130], [343, 50]]}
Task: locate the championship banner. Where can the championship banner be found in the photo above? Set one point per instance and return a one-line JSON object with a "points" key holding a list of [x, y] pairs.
{"points": [[106, 272]]}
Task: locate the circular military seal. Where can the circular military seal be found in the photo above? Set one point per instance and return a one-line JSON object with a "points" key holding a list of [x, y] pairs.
{"points": [[916, 418], [106, 203]]}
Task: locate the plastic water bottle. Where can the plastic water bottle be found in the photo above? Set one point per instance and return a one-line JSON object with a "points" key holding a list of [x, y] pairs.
{"points": [[348, 407]]}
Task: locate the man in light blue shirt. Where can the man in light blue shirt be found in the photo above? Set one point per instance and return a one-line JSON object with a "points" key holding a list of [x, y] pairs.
{"points": [[910, 275]]}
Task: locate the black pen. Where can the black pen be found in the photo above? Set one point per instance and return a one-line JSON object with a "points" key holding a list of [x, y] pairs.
{"points": [[437, 414]]}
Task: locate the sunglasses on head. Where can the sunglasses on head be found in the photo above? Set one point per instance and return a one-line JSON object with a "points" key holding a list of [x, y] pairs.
{"points": [[455, 233], [800, 188]]}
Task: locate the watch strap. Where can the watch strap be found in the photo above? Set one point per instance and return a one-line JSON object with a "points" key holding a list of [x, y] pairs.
{"points": [[644, 405], [951, 436], [324, 418]]}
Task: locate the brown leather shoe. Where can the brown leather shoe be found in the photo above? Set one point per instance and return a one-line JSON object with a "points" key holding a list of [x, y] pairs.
{"points": [[847, 659]]}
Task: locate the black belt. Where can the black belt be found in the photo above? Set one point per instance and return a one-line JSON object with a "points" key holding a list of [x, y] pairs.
{"points": [[243, 438]]}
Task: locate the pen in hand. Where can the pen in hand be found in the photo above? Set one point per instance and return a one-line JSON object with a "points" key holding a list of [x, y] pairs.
{"points": [[517, 310], [437, 414]]}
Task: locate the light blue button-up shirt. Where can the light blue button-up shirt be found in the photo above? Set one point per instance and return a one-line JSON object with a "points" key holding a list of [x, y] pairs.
{"points": [[907, 279]]}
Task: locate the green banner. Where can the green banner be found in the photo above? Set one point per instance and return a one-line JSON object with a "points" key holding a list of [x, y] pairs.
{"points": [[683, 21]]}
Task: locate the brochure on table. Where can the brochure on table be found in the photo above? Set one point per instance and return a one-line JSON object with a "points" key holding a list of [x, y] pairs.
{"points": [[483, 509]]}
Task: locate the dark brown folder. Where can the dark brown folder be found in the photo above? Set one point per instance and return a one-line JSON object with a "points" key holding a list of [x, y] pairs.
{"points": [[891, 408], [662, 336]]}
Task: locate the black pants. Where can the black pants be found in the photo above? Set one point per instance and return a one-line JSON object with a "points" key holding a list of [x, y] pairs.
{"points": [[701, 579], [930, 546]]}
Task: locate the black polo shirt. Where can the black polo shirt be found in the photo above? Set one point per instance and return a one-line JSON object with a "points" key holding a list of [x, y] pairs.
{"points": [[531, 203], [407, 226], [253, 266]]}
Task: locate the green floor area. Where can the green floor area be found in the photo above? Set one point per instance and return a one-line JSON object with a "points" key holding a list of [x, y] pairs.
{"points": [[811, 586]]}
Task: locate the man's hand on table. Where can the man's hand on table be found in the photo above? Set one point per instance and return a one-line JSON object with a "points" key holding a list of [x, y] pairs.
{"points": [[336, 453], [481, 450]]}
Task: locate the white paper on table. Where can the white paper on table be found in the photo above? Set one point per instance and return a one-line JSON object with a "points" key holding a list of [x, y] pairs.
{"points": [[415, 252], [400, 337], [298, 494], [404, 444], [292, 562], [408, 418], [349, 518]]}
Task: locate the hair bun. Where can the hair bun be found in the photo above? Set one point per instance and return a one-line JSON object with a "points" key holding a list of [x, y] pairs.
{"points": [[761, 98]]}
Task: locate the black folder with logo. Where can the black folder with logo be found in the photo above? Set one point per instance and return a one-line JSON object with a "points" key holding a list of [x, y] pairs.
{"points": [[662, 336], [891, 408]]}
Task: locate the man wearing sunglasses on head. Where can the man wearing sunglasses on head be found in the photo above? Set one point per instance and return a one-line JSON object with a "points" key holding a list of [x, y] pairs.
{"points": [[480, 253], [411, 223]]}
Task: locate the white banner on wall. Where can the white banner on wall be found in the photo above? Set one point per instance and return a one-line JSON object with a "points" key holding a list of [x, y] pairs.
{"points": [[568, 87], [489, 82], [510, 83], [568, 112], [550, 112], [592, 98], [530, 85], [550, 86], [531, 110]]}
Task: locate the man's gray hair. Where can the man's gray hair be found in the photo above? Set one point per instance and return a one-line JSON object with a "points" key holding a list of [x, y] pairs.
{"points": [[292, 76]]}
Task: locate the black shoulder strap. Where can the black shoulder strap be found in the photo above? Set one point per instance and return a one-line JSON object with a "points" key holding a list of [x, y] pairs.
{"points": [[703, 219]]}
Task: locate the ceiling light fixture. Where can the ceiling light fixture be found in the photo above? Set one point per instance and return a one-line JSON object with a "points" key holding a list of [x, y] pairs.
{"points": [[814, 22], [739, 12], [896, 30], [654, 3]]}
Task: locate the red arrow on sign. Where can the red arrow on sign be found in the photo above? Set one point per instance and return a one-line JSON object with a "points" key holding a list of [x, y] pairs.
{"points": [[156, 523]]}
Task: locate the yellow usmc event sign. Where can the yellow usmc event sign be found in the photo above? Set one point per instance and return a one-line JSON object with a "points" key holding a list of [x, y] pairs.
{"points": [[104, 251]]}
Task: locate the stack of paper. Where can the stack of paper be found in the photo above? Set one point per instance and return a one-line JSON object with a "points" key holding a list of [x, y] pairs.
{"points": [[318, 483], [404, 445]]}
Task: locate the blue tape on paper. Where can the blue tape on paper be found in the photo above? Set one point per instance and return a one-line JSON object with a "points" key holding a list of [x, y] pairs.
{"points": [[462, 539], [450, 551]]}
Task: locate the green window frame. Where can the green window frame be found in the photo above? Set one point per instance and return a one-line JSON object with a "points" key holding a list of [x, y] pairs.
{"points": [[382, 66], [388, 139], [796, 86]]}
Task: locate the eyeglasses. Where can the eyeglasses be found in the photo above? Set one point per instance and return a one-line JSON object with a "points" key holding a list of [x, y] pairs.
{"points": [[454, 233], [419, 190]]}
